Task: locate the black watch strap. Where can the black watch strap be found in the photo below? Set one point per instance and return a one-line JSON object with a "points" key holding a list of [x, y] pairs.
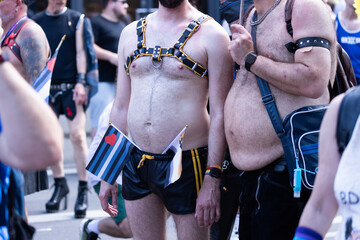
{"points": [[250, 60], [214, 171]]}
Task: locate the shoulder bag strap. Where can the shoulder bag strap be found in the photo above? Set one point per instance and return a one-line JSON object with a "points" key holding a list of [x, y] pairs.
{"points": [[267, 96]]}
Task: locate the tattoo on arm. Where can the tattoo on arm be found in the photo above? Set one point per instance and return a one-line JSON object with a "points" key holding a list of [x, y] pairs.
{"points": [[33, 54]]}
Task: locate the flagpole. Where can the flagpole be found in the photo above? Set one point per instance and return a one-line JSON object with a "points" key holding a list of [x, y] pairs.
{"points": [[62, 40], [241, 12]]}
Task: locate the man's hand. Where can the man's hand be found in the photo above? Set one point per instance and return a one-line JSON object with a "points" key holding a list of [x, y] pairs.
{"points": [[80, 95], [107, 190], [241, 44], [208, 202]]}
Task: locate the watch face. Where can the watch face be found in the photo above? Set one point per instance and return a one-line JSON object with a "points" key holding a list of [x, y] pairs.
{"points": [[249, 60], [215, 172]]}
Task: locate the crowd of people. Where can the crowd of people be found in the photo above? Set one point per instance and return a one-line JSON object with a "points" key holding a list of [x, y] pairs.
{"points": [[151, 77]]}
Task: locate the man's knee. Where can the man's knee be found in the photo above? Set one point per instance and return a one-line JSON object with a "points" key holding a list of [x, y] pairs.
{"points": [[124, 228], [78, 136]]}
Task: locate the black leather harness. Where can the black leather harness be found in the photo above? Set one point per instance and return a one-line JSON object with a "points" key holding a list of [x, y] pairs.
{"points": [[176, 51], [9, 40]]}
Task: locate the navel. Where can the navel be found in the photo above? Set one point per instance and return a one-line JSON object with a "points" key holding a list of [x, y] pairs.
{"points": [[133, 65]]}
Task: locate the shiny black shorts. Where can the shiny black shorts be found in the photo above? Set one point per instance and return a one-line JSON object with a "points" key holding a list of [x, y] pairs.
{"points": [[179, 197], [62, 103]]}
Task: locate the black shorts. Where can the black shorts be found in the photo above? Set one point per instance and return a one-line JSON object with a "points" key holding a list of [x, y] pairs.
{"points": [[62, 103], [179, 197]]}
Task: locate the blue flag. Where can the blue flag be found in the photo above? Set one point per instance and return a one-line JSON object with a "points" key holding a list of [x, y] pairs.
{"points": [[111, 155], [43, 81]]}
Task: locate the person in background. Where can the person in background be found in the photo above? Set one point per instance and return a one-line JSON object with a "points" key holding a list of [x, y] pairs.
{"points": [[69, 92], [347, 27], [107, 28], [113, 226]]}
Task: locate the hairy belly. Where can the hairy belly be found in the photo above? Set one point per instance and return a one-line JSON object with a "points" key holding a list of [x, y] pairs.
{"points": [[154, 129], [251, 138]]}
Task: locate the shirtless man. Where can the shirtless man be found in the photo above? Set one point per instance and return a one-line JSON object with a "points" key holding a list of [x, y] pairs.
{"points": [[153, 103], [31, 40], [268, 209], [28, 52]]}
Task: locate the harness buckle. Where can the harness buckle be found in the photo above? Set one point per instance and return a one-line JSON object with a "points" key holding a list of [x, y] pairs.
{"points": [[194, 67], [268, 99], [204, 73], [141, 26]]}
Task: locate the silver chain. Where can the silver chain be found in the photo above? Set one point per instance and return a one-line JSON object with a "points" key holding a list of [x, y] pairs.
{"points": [[260, 20]]}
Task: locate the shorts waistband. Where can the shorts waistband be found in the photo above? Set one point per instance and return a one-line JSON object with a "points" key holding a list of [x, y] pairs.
{"points": [[169, 155], [62, 87], [279, 165]]}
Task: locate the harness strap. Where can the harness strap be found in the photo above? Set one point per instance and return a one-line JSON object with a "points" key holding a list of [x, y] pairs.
{"points": [[158, 52], [11, 36]]}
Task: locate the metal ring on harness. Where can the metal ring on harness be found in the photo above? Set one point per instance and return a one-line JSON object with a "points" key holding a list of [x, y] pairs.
{"points": [[156, 64]]}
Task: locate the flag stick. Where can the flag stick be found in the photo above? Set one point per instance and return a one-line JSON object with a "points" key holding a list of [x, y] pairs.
{"points": [[62, 40], [241, 12]]}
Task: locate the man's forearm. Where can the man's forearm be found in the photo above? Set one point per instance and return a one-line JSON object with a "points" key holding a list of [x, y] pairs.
{"points": [[31, 130]]}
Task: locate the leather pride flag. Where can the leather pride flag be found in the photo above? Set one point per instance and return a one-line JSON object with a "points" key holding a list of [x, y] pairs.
{"points": [[111, 155], [43, 81]]}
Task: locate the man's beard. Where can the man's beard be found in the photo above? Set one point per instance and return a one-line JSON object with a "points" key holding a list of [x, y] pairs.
{"points": [[171, 3]]}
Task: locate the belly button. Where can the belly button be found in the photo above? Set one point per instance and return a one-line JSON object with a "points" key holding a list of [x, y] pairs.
{"points": [[148, 123], [133, 65]]}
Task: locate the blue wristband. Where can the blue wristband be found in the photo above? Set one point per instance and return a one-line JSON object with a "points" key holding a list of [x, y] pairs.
{"points": [[304, 233]]}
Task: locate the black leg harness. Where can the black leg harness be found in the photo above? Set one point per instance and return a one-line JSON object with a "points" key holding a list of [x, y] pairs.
{"points": [[176, 51]]}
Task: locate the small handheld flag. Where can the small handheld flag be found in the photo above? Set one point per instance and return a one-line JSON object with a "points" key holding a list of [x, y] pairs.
{"points": [[175, 168], [115, 149], [42, 83], [111, 156]]}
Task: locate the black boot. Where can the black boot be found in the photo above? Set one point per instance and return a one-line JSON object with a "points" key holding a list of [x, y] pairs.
{"points": [[81, 203], [60, 192]]}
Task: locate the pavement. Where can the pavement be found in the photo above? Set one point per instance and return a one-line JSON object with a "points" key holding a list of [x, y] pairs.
{"points": [[63, 225]]}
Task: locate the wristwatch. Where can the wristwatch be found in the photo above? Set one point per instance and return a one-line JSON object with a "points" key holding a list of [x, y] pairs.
{"points": [[3, 57], [214, 171], [250, 60]]}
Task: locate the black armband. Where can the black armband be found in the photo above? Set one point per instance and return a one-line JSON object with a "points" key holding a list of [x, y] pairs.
{"points": [[308, 42], [80, 78]]}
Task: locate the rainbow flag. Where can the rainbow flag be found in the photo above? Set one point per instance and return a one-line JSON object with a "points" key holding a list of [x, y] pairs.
{"points": [[43, 81]]}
